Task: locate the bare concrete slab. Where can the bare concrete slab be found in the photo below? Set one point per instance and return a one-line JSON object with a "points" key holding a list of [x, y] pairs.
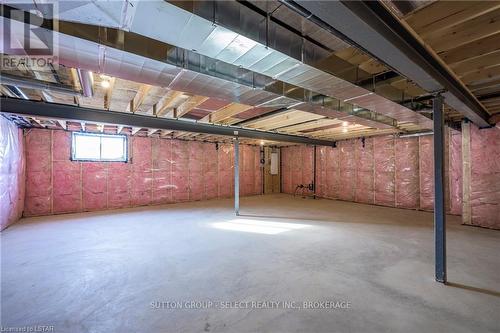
{"points": [[139, 270]]}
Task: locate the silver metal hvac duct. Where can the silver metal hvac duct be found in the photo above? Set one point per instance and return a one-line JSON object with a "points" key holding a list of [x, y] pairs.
{"points": [[220, 83], [27, 82], [86, 82], [232, 33]]}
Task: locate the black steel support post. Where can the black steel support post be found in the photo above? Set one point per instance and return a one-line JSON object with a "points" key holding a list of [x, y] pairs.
{"points": [[439, 199], [314, 173], [237, 176]]}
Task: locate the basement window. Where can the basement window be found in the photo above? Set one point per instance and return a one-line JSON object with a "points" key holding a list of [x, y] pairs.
{"points": [[98, 147]]}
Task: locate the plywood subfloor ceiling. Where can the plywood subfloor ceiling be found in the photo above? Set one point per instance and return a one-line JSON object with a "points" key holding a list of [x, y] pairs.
{"points": [[466, 35]]}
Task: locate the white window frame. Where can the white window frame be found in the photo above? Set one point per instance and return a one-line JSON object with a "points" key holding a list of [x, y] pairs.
{"points": [[74, 135]]}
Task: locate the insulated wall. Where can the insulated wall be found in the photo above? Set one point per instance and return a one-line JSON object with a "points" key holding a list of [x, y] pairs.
{"points": [[386, 171], [455, 171], [328, 169], [297, 167], [159, 171], [426, 172], [365, 181], [347, 172], [384, 164], [406, 179], [12, 176], [485, 177]]}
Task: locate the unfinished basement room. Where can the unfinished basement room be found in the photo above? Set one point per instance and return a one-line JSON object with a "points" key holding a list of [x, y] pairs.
{"points": [[250, 166]]}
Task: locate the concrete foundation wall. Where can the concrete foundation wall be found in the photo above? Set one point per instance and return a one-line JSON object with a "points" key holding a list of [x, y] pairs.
{"points": [[159, 171], [12, 173]]}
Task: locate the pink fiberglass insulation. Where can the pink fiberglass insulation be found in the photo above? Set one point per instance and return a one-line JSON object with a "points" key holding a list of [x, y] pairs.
{"points": [[38, 199], [94, 186], [65, 175], [119, 185], [296, 170], [332, 172], [251, 167], [364, 171], [12, 173], [180, 171], [485, 177], [196, 176], [246, 171], [159, 171], [455, 172], [210, 170], [142, 171], [258, 172], [286, 170], [321, 171], [226, 175], [406, 175], [307, 155], [297, 162], [386, 171], [347, 175], [383, 153], [297, 167], [326, 172], [426, 167]]}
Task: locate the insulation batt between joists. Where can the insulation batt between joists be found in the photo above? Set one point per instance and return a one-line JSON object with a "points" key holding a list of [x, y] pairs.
{"points": [[159, 171]]}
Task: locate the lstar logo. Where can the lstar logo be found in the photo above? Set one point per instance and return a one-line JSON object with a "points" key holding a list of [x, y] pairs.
{"points": [[29, 33]]}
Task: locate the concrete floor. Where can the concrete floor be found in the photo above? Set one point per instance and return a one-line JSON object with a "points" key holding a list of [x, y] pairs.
{"points": [[104, 272]]}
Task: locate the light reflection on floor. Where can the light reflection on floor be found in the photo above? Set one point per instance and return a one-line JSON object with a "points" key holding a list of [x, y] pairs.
{"points": [[258, 226]]}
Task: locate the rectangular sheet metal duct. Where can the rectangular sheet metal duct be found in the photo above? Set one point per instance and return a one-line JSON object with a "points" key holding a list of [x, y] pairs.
{"points": [[69, 112]]}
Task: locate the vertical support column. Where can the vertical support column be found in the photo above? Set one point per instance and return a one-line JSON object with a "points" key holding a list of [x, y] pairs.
{"points": [[237, 176], [314, 172], [439, 185]]}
